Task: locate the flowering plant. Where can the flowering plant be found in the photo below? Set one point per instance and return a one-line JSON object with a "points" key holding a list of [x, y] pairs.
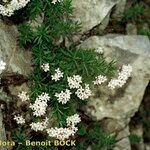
{"points": [[62, 77]]}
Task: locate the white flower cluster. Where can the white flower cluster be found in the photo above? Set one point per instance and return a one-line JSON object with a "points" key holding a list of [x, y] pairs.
{"points": [[100, 79], [73, 120], [74, 81], [23, 96], [19, 119], [9, 8], [63, 96], [58, 74], [40, 105], [61, 133], [99, 50], [84, 93], [65, 133], [55, 1], [39, 126], [45, 67], [123, 76], [2, 66]]}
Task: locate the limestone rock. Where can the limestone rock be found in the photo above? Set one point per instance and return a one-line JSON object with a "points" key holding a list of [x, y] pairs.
{"points": [[37, 22], [138, 130], [147, 146], [123, 103], [124, 144], [104, 23], [131, 29], [92, 12], [123, 140], [119, 10], [134, 44], [18, 60], [2, 130]]}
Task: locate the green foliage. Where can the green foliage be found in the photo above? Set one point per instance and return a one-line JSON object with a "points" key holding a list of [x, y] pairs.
{"points": [[26, 37], [43, 41], [134, 13], [145, 32], [20, 142], [71, 61], [135, 139], [95, 137], [57, 25], [144, 119], [20, 139]]}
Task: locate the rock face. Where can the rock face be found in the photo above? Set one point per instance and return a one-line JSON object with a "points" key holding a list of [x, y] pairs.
{"points": [[119, 10], [18, 61], [92, 12], [2, 130], [120, 105], [132, 50]]}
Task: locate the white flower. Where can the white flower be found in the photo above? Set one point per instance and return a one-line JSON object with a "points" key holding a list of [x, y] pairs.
{"points": [[40, 105], [2, 66], [123, 76], [55, 1], [63, 96], [39, 126], [100, 79], [65, 133], [62, 133], [23, 96], [44, 97], [99, 50], [45, 67], [113, 83], [58, 74], [84, 93], [19, 119], [74, 81], [8, 9], [73, 120]]}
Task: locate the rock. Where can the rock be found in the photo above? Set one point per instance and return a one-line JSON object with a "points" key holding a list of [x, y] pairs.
{"points": [[119, 10], [120, 105], [92, 12], [123, 133], [4, 97], [147, 146], [120, 129], [134, 44], [104, 23], [2, 130], [131, 29], [123, 140], [138, 131], [114, 126], [124, 144], [36, 22], [15, 90], [18, 60]]}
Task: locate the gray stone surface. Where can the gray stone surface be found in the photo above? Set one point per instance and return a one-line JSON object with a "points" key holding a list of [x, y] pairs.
{"points": [[123, 144], [138, 130], [123, 140], [120, 105], [92, 12], [131, 29], [119, 10], [18, 60], [104, 23], [134, 44], [2, 130]]}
